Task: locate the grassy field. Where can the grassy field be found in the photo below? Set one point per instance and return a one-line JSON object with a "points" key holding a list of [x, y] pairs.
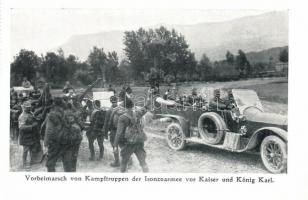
{"points": [[273, 92], [268, 89]]}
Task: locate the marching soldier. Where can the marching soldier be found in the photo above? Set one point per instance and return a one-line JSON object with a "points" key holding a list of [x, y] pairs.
{"points": [[128, 123], [111, 121], [63, 137], [54, 129], [95, 131], [71, 141]]}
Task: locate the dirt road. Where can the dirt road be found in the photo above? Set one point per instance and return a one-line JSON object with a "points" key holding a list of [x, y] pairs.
{"points": [[160, 158]]}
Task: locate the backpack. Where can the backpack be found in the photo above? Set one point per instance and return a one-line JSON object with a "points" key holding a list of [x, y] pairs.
{"points": [[99, 119], [72, 135], [134, 133]]}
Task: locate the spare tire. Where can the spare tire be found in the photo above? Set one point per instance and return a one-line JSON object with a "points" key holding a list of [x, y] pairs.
{"points": [[211, 127]]}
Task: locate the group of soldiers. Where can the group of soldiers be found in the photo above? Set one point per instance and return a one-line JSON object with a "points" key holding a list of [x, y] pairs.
{"points": [[60, 121], [195, 99]]}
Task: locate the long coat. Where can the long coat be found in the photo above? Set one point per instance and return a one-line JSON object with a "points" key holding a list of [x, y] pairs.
{"points": [[28, 130]]}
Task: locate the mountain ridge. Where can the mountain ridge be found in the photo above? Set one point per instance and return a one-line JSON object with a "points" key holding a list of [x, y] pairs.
{"points": [[249, 33]]}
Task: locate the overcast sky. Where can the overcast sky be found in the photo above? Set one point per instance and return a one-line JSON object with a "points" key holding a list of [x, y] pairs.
{"points": [[45, 29]]}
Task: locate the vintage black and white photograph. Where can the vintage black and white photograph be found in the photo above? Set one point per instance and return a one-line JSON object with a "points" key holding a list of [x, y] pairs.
{"points": [[149, 90]]}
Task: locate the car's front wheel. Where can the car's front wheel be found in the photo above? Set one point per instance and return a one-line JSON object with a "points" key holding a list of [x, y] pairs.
{"points": [[274, 154], [175, 136]]}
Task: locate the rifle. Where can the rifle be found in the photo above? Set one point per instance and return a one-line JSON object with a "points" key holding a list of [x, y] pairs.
{"points": [[89, 88]]}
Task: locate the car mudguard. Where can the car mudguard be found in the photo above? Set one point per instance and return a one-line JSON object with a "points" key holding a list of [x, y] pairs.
{"points": [[178, 119], [254, 140]]}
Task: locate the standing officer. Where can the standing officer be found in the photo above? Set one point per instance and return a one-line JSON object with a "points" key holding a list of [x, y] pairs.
{"points": [[126, 121], [28, 133], [95, 131]]}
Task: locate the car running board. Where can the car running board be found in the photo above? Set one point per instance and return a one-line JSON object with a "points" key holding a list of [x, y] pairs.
{"points": [[219, 146]]}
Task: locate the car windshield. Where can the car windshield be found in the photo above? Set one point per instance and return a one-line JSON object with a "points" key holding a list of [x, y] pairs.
{"points": [[246, 98]]}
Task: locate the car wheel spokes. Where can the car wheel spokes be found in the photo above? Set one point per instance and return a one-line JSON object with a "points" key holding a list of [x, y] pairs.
{"points": [[175, 137], [274, 155]]}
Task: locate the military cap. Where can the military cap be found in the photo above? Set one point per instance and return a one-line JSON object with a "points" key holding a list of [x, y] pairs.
{"points": [[217, 92]]}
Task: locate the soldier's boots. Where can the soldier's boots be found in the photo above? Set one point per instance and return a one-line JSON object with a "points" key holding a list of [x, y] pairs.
{"points": [[51, 169], [24, 159], [145, 168], [100, 157], [24, 165], [130, 162], [116, 162], [92, 157], [101, 153]]}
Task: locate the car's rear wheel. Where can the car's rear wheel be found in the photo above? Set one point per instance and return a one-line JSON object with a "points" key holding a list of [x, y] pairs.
{"points": [[175, 137], [274, 154], [211, 127]]}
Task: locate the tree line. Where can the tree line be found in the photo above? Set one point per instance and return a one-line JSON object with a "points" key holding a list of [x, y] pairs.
{"points": [[154, 53]]}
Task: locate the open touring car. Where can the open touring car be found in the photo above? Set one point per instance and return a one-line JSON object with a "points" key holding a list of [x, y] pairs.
{"points": [[240, 128]]}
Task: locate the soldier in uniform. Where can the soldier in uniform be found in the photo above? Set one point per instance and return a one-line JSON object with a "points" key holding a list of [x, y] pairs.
{"points": [[127, 149], [25, 83], [95, 131], [217, 102], [29, 134], [72, 140], [63, 137], [122, 94], [15, 111], [111, 125], [35, 94], [194, 99], [54, 128], [128, 91]]}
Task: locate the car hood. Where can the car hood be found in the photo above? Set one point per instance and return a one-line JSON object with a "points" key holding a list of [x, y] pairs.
{"points": [[269, 118]]}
